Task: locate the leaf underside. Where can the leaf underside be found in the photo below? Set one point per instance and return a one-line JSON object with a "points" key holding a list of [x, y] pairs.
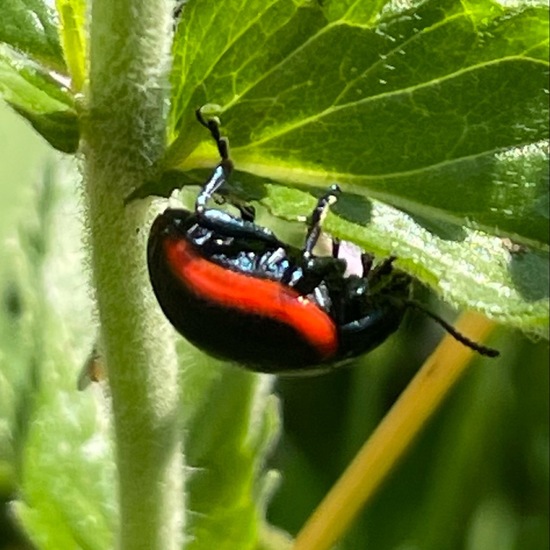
{"points": [[434, 120], [33, 75]]}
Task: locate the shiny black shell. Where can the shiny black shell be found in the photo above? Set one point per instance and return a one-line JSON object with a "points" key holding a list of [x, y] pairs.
{"points": [[235, 291]]}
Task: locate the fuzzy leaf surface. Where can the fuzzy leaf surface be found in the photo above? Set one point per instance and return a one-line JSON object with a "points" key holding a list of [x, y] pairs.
{"points": [[228, 486], [62, 449], [30, 26], [42, 98]]}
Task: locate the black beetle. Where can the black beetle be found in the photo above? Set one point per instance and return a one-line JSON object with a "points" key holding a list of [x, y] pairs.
{"points": [[236, 291]]}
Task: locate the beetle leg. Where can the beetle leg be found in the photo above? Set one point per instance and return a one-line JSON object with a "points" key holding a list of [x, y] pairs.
{"points": [[213, 124], [217, 179], [315, 271], [309, 281], [366, 262], [382, 269], [247, 211], [222, 172], [335, 247], [317, 217]]}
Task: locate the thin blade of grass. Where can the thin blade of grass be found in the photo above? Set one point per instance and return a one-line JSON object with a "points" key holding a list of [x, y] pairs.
{"points": [[392, 438]]}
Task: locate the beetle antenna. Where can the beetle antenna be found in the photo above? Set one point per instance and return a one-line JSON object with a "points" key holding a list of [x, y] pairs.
{"points": [[317, 217], [213, 124], [481, 349]]}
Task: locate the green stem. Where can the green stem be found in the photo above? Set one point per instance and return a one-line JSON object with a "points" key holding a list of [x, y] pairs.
{"points": [[124, 133]]}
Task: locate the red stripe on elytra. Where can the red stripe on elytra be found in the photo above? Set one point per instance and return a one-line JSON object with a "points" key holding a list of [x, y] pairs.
{"points": [[259, 296]]}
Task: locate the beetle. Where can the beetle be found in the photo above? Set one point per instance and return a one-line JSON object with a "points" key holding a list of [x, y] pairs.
{"points": [[236, 291]]}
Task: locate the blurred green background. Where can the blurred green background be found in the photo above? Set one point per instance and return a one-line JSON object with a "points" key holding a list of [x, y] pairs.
{"points": [[478, 477], [23, 157], [23, 154]]}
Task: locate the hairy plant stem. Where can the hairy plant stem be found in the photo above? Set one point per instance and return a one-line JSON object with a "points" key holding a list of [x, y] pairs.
{"points": [[124, 132]]}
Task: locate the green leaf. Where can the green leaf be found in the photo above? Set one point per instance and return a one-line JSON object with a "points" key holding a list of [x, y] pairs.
{"points": [[59, 128], [231, 422], [68, 491], [72, 15], [438, 110], [32, 66], [31, 27], [62, 450], [41, 98], [468, 268]]}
